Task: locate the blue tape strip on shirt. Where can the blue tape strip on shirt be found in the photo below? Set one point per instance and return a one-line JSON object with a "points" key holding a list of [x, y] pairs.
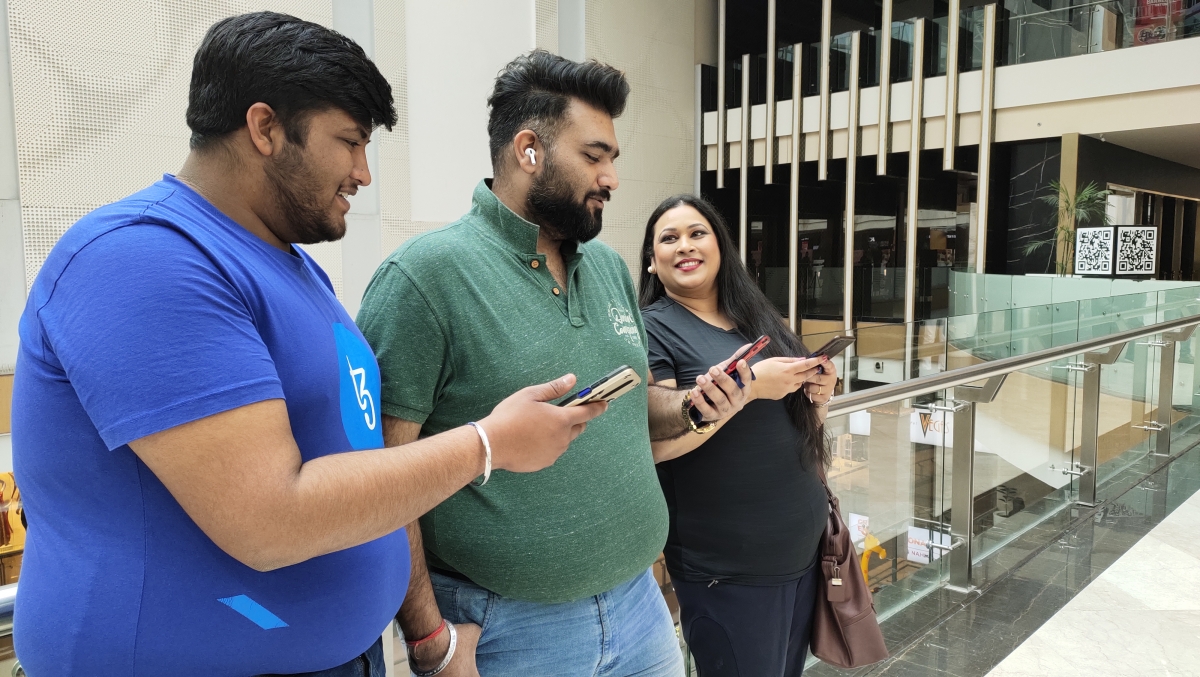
{"points": [[254, 611]]}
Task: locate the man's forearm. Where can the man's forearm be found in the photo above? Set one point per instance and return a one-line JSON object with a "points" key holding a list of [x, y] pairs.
{"points": [[419, 616], [666, 413], [411, 479]]}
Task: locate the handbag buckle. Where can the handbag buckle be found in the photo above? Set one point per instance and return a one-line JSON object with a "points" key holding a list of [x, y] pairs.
{"points": [[836, 579]]}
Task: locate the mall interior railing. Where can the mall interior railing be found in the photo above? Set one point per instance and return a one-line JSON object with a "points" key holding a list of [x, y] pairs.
{"points": [[940, 471]]}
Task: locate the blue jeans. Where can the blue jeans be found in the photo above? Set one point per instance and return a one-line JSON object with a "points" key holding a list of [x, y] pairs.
{"points": [[624, 632], [369, 664]]}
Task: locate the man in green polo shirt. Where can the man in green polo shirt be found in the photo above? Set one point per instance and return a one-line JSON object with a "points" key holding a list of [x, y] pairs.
{"points": [[554, 565]]}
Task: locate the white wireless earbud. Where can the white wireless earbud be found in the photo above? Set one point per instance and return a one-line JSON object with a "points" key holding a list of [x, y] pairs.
{"points": [[532, 155]]}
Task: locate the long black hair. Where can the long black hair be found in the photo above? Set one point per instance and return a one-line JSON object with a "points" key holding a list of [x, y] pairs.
{"points": [[741, 301]]}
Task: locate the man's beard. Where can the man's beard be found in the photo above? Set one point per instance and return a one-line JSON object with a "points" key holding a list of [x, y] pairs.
{"points": [[298, 200], [552, 203]]}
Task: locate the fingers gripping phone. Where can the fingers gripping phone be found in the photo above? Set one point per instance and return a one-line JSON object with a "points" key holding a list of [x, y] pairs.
{"points": [[618, 382], [835, 345], [731, 371]]}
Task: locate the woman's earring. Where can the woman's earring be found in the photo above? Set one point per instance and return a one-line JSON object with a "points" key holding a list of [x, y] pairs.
{"points": [[650, 270]]}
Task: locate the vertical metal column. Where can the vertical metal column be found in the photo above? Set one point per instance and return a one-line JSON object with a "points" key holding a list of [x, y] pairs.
{"points": [[744, 170], [962, 498], [770, 159], [1163, 418], [1089, 447], [722, 140], [952, 29], [794, 187], [852, 132], [699, 122], [1166, 383], [987, 120], [823, 140], [1177, 250], [914, 174], [885, 89]]}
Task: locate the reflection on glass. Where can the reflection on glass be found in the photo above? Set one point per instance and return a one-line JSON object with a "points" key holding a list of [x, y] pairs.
{"points": [[839, 63], [1036, 33], [902, 51]]}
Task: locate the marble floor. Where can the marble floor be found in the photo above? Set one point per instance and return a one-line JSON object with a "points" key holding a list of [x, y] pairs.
{"points": [[1141, 616]]}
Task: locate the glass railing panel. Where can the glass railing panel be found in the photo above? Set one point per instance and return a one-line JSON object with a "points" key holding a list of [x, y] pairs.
{"points": [[1128, 398], [891, 472], [1176, 303], [997, 292], [902, 51], [970, 39], [1024, 439], [936, 41]]}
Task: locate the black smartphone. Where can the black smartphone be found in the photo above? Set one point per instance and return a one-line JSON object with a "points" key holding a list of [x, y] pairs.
{"points": [[835, 345], [618, 382]]}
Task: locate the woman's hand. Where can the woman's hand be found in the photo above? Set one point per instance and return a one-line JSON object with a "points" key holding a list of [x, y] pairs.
{"points": [[819, 388], [778, 377]]}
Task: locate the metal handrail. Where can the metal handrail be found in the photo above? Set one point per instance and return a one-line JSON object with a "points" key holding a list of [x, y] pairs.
{"points": [[8, 598], [873, 397]]}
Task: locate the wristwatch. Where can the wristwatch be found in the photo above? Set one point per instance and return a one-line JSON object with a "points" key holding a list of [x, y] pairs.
{"points": [[698, 427]]}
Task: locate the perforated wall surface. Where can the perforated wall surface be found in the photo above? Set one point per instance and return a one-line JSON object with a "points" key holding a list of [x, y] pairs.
{"points": [[546, 20], [100, 91], [650, 42], [390, 55]]}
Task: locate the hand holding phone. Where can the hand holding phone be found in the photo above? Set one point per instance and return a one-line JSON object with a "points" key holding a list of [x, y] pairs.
{"points": [[834, 346], [615, 384], [730, 370]]}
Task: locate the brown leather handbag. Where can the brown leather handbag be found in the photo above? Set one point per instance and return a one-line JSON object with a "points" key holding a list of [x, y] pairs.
{"points": [[845, 632]]}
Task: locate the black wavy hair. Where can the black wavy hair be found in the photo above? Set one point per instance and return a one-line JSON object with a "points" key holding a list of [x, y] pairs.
{"points": [[743, 304], [534, 90], [296, 67]]}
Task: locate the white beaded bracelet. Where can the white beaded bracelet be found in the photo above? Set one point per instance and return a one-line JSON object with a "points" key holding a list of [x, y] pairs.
{"points": [[487, 450]]}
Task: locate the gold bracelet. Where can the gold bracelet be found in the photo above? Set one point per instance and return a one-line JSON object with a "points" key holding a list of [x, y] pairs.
{"points": [[701, 429]]}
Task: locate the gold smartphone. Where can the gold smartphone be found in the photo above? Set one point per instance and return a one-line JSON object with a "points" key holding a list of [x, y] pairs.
{"points": [[620, 381]]}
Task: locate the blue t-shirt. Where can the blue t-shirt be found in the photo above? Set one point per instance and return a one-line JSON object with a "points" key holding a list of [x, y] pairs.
{"points": [[149, 313]]}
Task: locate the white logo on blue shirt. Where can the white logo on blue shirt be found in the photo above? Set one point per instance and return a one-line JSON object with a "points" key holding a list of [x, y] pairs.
{"points": [[359, 390]]}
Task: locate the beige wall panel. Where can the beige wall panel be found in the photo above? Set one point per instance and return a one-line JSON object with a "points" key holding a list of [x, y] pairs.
{"points": [[395, 205], [1145, 110], [935, 131], [868, 142], [969, 129], [100, 91], [545, 22], [901, 136], [656, 50]]}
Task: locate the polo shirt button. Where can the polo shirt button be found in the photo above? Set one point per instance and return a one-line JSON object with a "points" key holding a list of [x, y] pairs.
{"points": [[556, 291], [534, 263]]}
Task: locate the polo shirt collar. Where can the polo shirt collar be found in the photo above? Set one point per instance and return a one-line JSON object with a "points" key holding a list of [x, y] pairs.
{"points": [[513, 231]]}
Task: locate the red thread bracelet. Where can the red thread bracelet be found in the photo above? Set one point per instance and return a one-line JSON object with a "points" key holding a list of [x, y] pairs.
{"points": [[428, 637]]}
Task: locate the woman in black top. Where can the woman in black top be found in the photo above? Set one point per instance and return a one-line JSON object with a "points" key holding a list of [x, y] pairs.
{"points": [[746, 503]]}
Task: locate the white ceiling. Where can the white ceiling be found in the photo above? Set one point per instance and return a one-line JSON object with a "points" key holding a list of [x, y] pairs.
{"points": [[1180, 143]]}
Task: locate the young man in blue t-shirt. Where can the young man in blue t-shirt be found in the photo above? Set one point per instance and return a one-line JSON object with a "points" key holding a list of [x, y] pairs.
{"points": [[187, 385]]}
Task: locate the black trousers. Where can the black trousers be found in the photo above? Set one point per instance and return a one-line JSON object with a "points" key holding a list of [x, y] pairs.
{"points": [[737, 630]]}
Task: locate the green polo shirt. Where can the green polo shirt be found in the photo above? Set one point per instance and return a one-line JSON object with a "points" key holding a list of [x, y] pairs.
{"points": [[462, 317]]}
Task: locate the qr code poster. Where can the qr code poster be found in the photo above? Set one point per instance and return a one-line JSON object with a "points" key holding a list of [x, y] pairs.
{"points": [[1094, 251], [1137, 250]]}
